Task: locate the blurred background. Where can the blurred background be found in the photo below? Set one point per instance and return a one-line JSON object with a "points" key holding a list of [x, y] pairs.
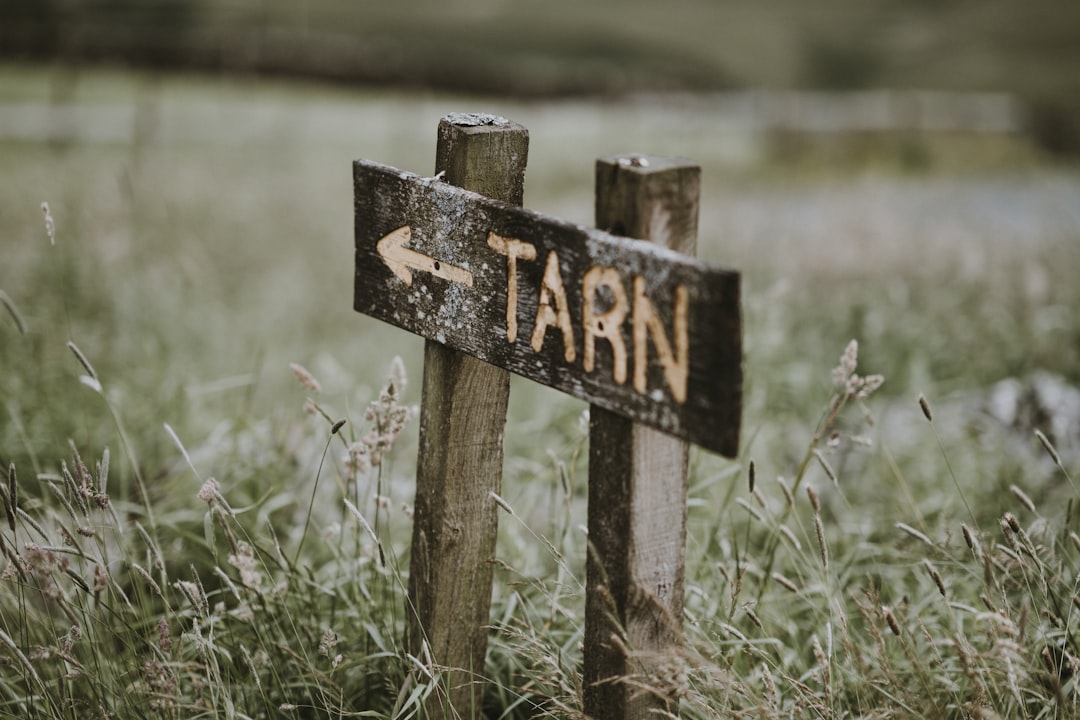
{"points": [[898, 171], [1026, 49], [176, 202]]}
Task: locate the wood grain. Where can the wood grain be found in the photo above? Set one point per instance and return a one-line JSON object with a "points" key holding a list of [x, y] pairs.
{"points": [[637, 484], [462, 419], [456, 227]]}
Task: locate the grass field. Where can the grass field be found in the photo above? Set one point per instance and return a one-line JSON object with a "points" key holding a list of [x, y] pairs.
{"points": [[203, 243]]}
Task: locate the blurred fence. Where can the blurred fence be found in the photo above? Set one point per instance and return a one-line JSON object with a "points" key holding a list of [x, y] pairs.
{"points": [[868, 111], [748, 113], [496, 49]]}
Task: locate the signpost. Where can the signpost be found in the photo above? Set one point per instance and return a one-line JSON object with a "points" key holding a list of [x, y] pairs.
{"points": [[629, 326], [648, 335]]}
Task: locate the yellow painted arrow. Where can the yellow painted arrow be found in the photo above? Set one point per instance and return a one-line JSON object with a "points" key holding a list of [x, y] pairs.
{"points": [[403, 261]]}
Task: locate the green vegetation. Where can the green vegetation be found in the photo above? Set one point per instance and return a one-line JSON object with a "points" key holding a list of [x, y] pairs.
{"points": [[184, 535], [1027, 48]]}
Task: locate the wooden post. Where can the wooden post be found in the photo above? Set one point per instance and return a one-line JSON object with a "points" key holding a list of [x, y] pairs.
{"points": [[462, 419], [637, 482]]}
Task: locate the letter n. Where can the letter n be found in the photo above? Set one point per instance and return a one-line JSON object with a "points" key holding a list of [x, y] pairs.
{"points": [[646, 322]]}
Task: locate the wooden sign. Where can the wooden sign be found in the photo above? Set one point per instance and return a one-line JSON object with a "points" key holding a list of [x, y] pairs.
{"points": [[645, 332]]}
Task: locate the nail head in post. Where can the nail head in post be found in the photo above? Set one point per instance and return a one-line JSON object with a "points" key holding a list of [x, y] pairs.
{"points": [[647, 163], [634, 161]]}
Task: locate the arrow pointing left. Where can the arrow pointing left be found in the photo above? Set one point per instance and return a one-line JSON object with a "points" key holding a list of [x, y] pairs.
{"points": [[402, 261]]}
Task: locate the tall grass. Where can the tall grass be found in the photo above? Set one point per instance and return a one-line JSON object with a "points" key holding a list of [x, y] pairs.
{"points": [[789, 613], [234, 598], [193, 528], [199, 607], [815, 610]]}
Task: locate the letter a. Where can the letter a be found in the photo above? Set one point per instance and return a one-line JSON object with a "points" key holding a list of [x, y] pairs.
{"points": [[552, 289]]}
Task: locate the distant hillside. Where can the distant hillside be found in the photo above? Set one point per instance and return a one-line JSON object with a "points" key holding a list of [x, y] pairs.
{"points": [[1028, 47]]}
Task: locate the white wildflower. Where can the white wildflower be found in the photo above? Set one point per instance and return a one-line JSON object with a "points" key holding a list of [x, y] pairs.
{"points": [[388, 418], [244, 561], [306, 378], [328, 642], [848, 361], [50, 225], [209, 490]]}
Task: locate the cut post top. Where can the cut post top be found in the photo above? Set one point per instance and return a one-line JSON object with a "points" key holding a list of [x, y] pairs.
{"points": [[644, 163], [471, 145]]}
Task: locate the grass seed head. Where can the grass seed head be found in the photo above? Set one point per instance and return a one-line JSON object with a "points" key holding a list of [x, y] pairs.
{"points": [[741, 502], [1049, 447], [245, 561], [894, 625], [86, 480], [101, 579], [788, 497], [925, 406], [848, 362], [13, 311], [73, 487], [936, 577], [784, 582], [150, 582], [195, 595], [328, 642], [50, 224], [753, 617], [823, 548], [209, 491], [734, 632], [72, 636], [870, 383], [82, 360], [1023, 498], [103, 471], [770, 686], [822, 659], [397, 378], [11, 498], [306, 378], [164, 638], [826, 466], [1010, 522], [917, 534], [502, 503], [971, 540], [790, 537]]}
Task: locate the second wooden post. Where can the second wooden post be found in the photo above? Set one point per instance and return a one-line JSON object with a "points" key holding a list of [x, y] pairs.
{"points": [[462, 420], [637, 482]]}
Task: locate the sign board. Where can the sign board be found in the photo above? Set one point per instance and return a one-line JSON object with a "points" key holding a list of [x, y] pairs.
{"points": [[624, 324]]}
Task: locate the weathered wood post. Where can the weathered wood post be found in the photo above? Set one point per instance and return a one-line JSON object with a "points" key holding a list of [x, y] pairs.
{"points": [[462, 419], [637, 479], [647, 334]]}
